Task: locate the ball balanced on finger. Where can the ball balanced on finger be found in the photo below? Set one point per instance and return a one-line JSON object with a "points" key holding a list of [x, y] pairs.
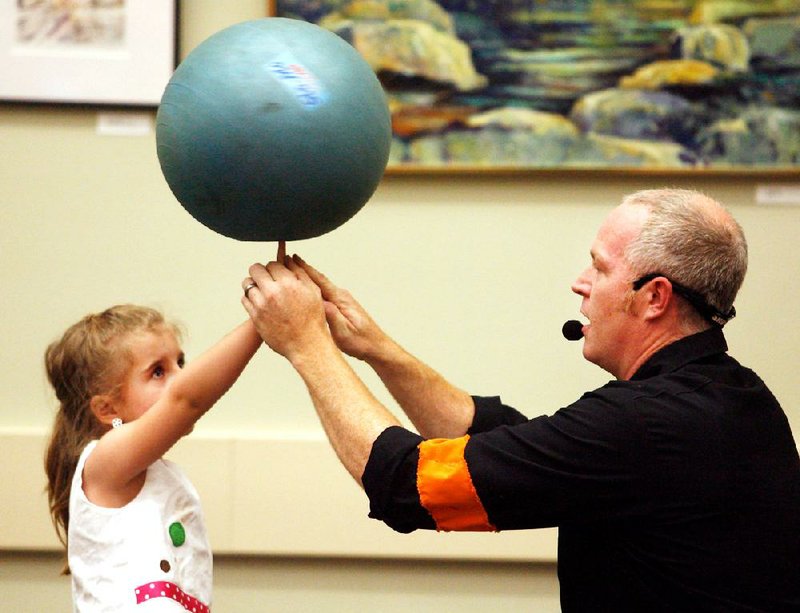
{"points": [[273, 129]]}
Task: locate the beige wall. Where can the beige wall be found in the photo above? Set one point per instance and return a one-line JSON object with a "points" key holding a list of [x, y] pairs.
{"points": [[319, 585], [472, 273]]}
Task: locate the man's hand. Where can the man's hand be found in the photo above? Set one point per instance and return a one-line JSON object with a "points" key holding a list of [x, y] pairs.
{"points": [[286, 307], [352, 328]]}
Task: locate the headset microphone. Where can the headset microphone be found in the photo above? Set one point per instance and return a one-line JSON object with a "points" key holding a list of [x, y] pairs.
{"points": [[572, 330]]}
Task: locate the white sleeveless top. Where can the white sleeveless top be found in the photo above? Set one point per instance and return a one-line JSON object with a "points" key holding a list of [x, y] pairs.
{"points": [[150, 555]]}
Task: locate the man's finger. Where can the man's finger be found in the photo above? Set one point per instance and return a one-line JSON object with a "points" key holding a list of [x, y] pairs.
{"points": [[316, 276]]}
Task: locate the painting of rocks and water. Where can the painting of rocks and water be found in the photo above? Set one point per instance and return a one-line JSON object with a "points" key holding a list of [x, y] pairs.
{"points": [[645, 84]]}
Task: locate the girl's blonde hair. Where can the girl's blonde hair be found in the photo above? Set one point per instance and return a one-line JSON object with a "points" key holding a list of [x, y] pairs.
{"points": [[91, 358]]}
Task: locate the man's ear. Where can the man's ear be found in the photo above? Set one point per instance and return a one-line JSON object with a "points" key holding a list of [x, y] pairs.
{"points": [[103, 408], [660, 298]]}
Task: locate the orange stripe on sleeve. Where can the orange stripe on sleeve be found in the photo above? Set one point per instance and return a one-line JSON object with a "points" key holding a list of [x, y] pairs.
{"points": [[445, 487]]}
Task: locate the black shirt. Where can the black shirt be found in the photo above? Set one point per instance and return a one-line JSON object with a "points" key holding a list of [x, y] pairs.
{"points": [[678, 490]]}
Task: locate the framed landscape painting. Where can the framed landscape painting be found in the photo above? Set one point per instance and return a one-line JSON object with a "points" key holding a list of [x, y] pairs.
{"points": [[613, 85]]}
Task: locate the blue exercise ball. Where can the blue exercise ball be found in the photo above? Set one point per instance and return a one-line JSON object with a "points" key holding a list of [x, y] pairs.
{"points": [[273, 129]]}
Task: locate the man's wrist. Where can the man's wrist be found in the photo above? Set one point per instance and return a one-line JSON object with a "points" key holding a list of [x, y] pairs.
{"points": [[384, 354]]}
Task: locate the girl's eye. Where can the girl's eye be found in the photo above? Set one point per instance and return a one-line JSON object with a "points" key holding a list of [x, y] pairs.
{"points": [[181, 362], [158, 372]]}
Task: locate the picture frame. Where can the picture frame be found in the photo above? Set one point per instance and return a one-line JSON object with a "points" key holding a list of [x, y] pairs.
{"points": [[606, 86], [87, 52]]}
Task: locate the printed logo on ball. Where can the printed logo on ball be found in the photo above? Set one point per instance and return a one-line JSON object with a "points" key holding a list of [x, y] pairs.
{"points": [[298, 80]]}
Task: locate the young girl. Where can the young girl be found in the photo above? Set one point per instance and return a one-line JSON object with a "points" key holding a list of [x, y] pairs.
{"points": [[131, 521]]}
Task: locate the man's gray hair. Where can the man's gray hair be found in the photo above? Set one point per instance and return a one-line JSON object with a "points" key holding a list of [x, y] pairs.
{"points": [[692, 240]]}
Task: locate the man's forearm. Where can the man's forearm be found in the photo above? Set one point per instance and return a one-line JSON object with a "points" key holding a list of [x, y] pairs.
{"points": [[437, 408], [350, 415]]}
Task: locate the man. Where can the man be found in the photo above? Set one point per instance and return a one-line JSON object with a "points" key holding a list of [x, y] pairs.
{"points": [[676, 487]]}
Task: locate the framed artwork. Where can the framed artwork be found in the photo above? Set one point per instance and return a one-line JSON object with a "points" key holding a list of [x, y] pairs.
{"points": [[606, 85], [104, 52]]}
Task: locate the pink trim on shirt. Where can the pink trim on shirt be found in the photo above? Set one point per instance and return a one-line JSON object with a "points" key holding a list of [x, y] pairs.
{"points": [[164, 589]]}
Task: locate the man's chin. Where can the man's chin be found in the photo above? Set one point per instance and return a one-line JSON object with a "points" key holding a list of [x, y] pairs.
{"points": [[589, 354]]}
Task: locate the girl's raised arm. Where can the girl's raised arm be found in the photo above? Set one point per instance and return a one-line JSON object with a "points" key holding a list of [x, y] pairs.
{"points": [[115, 471]]}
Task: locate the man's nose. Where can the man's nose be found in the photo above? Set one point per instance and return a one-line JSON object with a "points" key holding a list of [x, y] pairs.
{"points": [[582, 284]]}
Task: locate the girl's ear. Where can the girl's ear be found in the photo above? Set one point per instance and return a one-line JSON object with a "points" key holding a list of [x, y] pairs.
{"points": [[103, 408]]}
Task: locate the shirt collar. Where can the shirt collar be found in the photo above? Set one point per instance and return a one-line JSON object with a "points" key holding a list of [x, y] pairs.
{"points": [[683, 351]]}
